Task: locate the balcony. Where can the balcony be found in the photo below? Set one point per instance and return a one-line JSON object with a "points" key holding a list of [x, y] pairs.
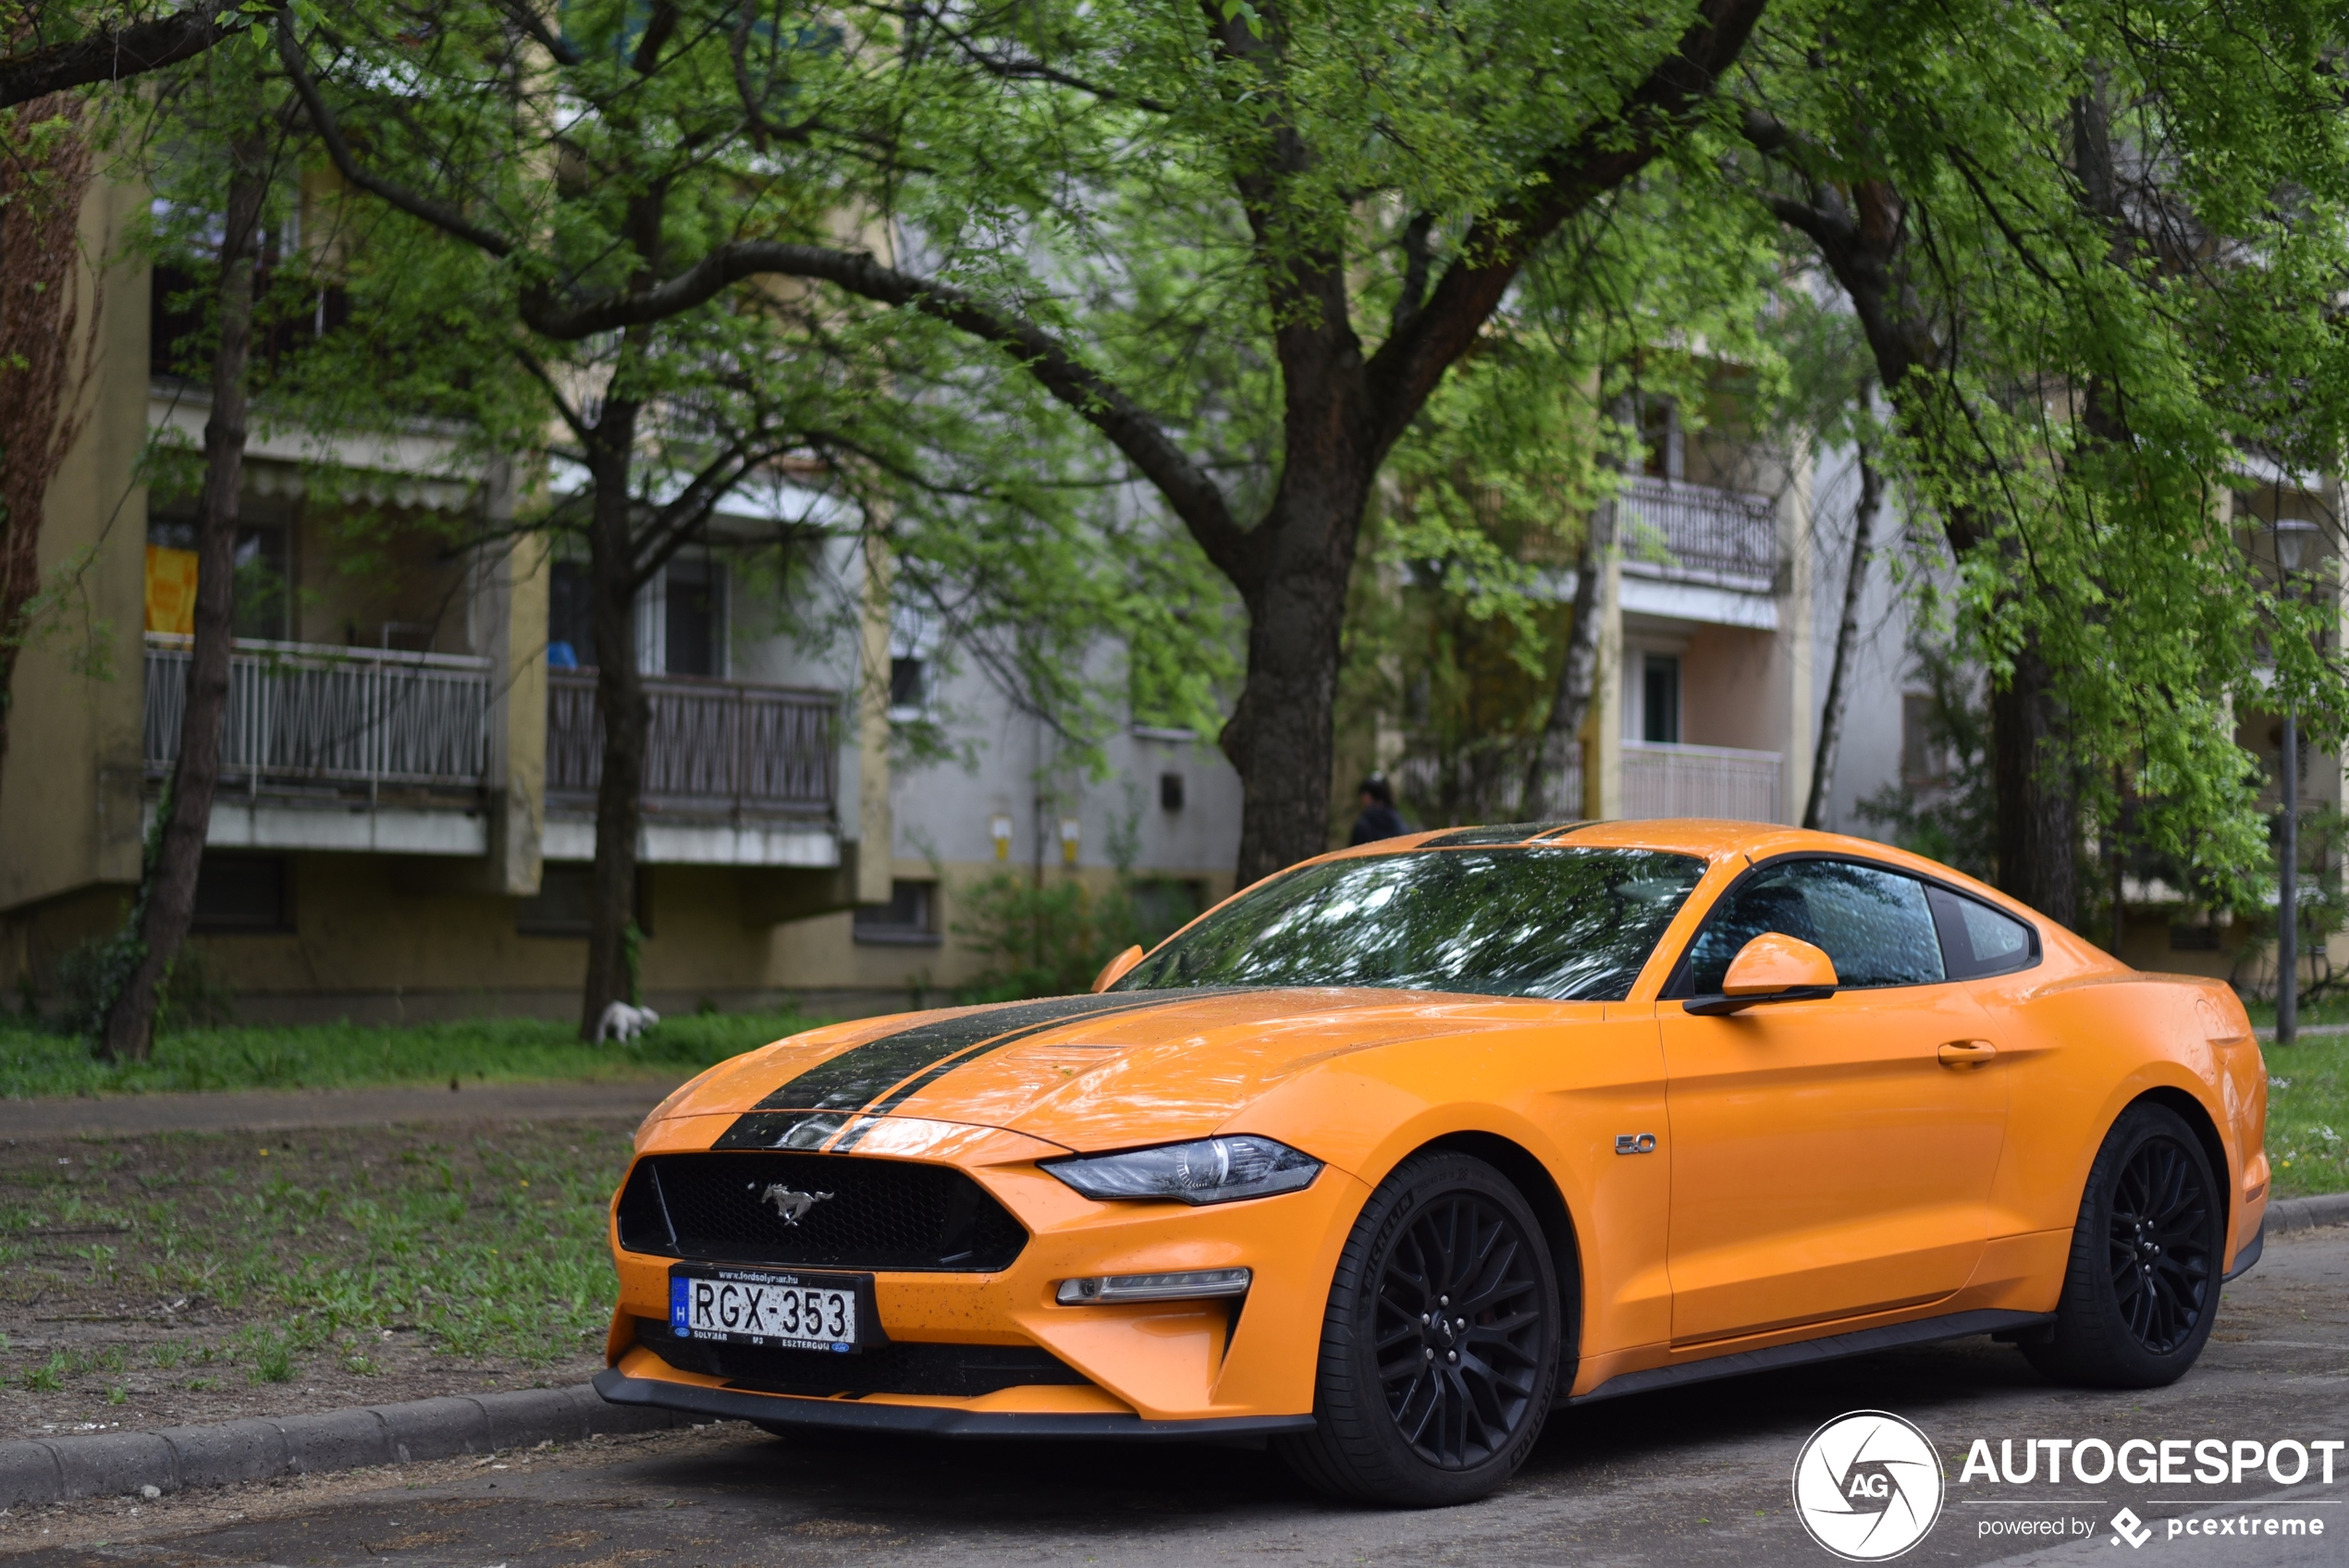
{"points": [[317, 718], [355, 750], [1715, 781], [721, 750], [1695, 534]]}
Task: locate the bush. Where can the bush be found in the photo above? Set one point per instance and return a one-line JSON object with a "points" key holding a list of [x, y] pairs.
{"points": [[1052, 939], [194, 994]]}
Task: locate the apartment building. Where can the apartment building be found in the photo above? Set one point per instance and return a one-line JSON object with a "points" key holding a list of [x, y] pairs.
{"points": [[404, 826]]}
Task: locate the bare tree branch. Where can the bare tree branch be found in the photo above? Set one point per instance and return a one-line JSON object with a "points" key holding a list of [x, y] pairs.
{"points": [[114, 54], [415, 204], [1095, 398]]}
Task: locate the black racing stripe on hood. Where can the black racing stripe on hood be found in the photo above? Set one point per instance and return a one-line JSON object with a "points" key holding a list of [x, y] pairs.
{"points": [[924, 1055], [963, 1058], [857, 1076]]}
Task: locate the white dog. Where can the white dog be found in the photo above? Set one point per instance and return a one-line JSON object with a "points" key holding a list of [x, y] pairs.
{"points": [[624, 1022]]}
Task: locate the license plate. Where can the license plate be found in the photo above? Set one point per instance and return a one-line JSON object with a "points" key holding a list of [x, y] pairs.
{"points": [[747, 1306]]}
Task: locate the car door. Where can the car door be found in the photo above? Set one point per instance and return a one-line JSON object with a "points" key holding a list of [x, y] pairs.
{"points": [[1830, 1157]]}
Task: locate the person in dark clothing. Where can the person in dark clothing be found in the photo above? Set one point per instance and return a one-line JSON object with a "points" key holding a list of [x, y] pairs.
{"points": [[1379, 818]]}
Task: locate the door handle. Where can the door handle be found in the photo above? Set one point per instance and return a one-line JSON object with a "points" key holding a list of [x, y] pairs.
{"points": [[1965, 1054]]}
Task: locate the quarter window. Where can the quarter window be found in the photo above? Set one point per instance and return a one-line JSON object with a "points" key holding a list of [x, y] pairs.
{"points": [[1875, 924], [1979, 940]]}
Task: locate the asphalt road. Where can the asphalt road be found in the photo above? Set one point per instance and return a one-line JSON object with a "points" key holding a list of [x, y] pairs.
{"points": [[1700, 1475]]}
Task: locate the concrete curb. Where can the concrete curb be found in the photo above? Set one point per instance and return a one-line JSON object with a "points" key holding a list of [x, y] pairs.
{"points": [[2307, 1214], [42, 1470]]}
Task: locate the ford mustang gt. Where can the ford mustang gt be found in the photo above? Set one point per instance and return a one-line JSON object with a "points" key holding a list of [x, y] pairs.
{"points": [[1389, 1154]]}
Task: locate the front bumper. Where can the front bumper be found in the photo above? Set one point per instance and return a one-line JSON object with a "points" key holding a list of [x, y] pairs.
{"points": [[1166, 1368], [929, 1420]]}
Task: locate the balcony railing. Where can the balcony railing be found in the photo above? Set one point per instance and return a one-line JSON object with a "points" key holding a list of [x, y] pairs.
{"points": [[716, 746], [1719, 781], [1694, 532], [303, 712]]}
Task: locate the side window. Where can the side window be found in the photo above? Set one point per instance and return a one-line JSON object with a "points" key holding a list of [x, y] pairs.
{"points": [[1978, 939], [1875, 924]]}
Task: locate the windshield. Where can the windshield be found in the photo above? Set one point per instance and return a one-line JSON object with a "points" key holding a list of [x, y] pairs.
{"points": [[1569, 925]]}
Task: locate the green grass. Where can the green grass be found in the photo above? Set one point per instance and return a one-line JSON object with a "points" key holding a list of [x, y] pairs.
{"points": [[34, 1062], [2308, 1116], [2333, 1008], [307, 1246]]}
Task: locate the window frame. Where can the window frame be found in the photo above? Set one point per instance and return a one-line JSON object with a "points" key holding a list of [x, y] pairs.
{"points": [[887, 934], [1679, 982], [282, 922]]}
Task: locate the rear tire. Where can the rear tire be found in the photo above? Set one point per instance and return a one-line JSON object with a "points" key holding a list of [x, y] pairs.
{"points": [[1441, 1345], [2142, 1288]]}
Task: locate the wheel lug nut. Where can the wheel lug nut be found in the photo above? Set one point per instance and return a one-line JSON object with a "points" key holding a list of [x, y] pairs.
{"points": [[1451, 1355], [1442, 1300], [1430, 1355]]}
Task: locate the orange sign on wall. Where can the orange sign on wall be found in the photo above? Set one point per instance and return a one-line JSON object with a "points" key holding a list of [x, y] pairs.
{"points": [[171, 590]]}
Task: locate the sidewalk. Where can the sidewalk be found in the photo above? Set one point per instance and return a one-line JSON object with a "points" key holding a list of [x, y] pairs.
{"points": [[281, 1110]]}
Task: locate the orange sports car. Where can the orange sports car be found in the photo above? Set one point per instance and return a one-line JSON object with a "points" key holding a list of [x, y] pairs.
{"points": [[1388, 1155]]}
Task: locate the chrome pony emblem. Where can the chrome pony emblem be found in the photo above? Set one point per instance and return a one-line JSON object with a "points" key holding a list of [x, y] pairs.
{"points": [[790, 1205]]}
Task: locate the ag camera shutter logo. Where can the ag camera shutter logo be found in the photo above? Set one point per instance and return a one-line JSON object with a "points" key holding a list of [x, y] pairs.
{"points": [[1867, 1486]]}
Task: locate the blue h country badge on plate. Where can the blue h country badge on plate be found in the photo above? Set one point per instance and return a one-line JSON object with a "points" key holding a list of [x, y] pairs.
{"points": [[680, 1308]]}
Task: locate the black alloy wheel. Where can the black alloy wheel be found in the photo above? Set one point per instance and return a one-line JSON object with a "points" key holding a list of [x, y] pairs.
{"points": [[2141, 1290], [1460, 1329], [1442, 1342], [2160, 1251]]}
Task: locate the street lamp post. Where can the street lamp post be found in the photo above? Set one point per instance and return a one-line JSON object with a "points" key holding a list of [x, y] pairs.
{"points": [[2292, 537]]}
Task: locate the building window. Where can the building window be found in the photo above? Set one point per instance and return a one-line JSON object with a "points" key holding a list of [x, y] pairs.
{"points": [[263, 601], [242, 894], [1660, 443], [565, 902], [2191, 938], [913, 643], [571, 617], [907, 688], [694, 637], [1660, 698], [1170, 791], [910, 918], [1923, 759]]}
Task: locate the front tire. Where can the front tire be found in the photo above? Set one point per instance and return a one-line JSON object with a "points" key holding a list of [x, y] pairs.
{"points": [[1441, 1345], [2142, 1288]]}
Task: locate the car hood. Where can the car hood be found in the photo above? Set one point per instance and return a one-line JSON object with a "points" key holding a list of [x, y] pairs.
{"points": [[1084, 1072]]}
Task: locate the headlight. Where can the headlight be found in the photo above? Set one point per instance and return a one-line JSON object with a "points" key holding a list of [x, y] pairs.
{"points": [[1210, 1170]]}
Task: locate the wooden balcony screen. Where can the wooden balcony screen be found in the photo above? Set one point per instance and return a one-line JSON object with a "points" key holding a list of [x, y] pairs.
{"points": [[303, 712], [716, 745]]}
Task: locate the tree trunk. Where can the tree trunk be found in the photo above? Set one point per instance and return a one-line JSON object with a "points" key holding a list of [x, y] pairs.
{"points": [[2038, 812], [1847, 637], [169, 901], [40, 211], [627, 719], [1282, 737]]}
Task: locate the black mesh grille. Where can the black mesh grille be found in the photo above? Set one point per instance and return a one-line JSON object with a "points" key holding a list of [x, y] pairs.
{"points": [[954, 1371], [882, 1214]]}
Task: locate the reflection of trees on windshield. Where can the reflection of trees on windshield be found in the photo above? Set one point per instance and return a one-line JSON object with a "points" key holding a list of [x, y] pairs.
{"points": [[1559, 923]]}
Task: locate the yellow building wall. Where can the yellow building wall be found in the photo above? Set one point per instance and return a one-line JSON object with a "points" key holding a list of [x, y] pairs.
{"points": [[70, 787]]}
